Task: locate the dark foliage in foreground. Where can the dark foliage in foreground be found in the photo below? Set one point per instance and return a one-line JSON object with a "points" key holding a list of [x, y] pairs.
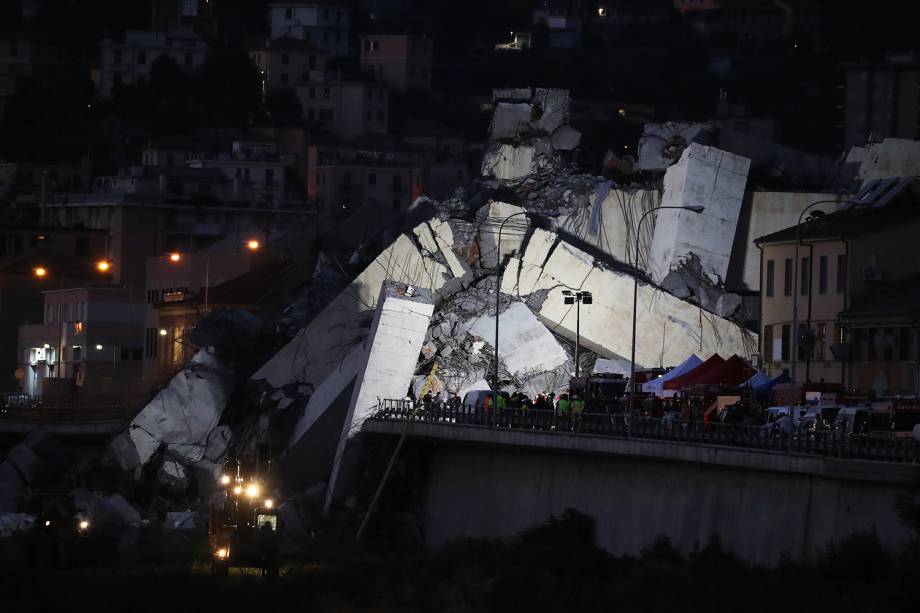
{"points": [[553, 567]]}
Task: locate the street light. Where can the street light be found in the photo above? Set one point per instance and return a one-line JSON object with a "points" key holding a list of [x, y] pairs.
{"points": [[253, 245], [498, 287], [632, 361], [41, 272], [577, 298]]}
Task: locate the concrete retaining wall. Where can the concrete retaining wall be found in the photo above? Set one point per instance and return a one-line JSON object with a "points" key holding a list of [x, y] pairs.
{"points": [[497, 491]]}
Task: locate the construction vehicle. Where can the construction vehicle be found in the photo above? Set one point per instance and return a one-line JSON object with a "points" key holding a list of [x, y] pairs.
{"points": [[601, 392], [243, 525]]}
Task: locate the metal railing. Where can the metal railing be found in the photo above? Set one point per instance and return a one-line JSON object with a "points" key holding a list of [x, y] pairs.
{"points": [[120, 413], [814, 443]]}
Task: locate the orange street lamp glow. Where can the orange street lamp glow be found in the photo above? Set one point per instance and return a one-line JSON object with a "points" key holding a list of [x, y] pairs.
{"points": [[40, 271], [253, 245], [174, 257], [103, 266]]}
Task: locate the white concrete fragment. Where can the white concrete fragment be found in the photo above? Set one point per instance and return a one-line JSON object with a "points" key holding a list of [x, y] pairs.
{"points": [[392, 348], [180, 520], [893, 157], [566, 138], [320, 346], [444, 237], [662, 144], [508, 162], [708, 177], [512, 93], [668, 329], [185, 412], [425, 238], [525, 346], [615, 365], [509, 119], [554, 104], [512, 234]]}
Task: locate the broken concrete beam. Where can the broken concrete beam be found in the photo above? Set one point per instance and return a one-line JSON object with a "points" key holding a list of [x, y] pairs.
{"points": [[662, 144], [444, 237], [392, 347], [321, 345], [426, 238], [525, 346], [512, 234], [566, 138], [518, 94], [512, 163], [608, 224], [510, 119], [616, 365], [553, 105], [668, 329], [893, 157], [184, 414], [708, 177]]}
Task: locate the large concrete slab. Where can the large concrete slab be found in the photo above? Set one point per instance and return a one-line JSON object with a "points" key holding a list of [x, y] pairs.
{"points": [[708, 177], [668, 329], [325, 342], [512, 234], [525, 346], [392, 349]]}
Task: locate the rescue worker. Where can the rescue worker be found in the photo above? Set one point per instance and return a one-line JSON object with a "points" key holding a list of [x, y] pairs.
{"points": [[563, 405], [577, 407]]}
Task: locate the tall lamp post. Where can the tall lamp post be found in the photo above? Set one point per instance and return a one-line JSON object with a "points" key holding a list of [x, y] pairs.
{"points": [[632, 360], [41, 272], [498, 289], [795, 286], [176, 257], [577, 298]]}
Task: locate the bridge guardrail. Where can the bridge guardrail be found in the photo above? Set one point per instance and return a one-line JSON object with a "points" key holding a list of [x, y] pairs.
{"points": [[826, 444], [67, 414]]}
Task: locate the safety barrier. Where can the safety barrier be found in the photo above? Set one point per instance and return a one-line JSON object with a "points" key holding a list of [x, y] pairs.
{"points": [[817, 443]]}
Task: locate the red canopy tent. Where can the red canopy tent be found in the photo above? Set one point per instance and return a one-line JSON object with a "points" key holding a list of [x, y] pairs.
{"points": [[733, 371], [711, 364]]}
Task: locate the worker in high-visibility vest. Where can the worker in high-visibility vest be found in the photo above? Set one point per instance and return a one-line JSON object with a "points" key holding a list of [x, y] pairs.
{"points": [[563, 405]]}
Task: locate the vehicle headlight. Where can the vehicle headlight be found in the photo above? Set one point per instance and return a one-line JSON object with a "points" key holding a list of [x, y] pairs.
{"points": [[223, 553], [225, 479], [83, 526], [238, 490], [252, 490], [269, 503]]}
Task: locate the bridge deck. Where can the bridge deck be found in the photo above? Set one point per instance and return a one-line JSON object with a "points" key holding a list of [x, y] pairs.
{"points": [[827, 455]]}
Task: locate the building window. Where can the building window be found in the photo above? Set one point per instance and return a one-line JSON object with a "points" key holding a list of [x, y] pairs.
{"points": [[411, 72], [787, 277], [396, 206], [285, 59], [372, 179], [311, 115], [141, 57], [805, 277], [380, 116], [822, 274], [312, 93], [269, 177], [338, 37], [284, 78], [326, 92], [289, 13], [841, 273], [190, 8], [117, 56], [768, 344], [786, 343], [325, 36], [802, 341], [312, 62], [771, 270], [188, 60]]}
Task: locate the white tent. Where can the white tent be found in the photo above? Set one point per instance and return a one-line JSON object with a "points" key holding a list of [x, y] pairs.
{"points": [[657, 386]]}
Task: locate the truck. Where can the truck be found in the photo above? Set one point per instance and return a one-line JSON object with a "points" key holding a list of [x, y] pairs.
{"points": [[243, 525]]}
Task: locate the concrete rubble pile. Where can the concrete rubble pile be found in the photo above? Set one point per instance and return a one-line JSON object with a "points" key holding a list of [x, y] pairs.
{"points": [[183, 422], [528, 130]]}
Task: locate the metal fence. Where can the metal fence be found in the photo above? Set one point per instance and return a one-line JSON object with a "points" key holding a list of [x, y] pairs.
{"points": [[816, 443]]}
